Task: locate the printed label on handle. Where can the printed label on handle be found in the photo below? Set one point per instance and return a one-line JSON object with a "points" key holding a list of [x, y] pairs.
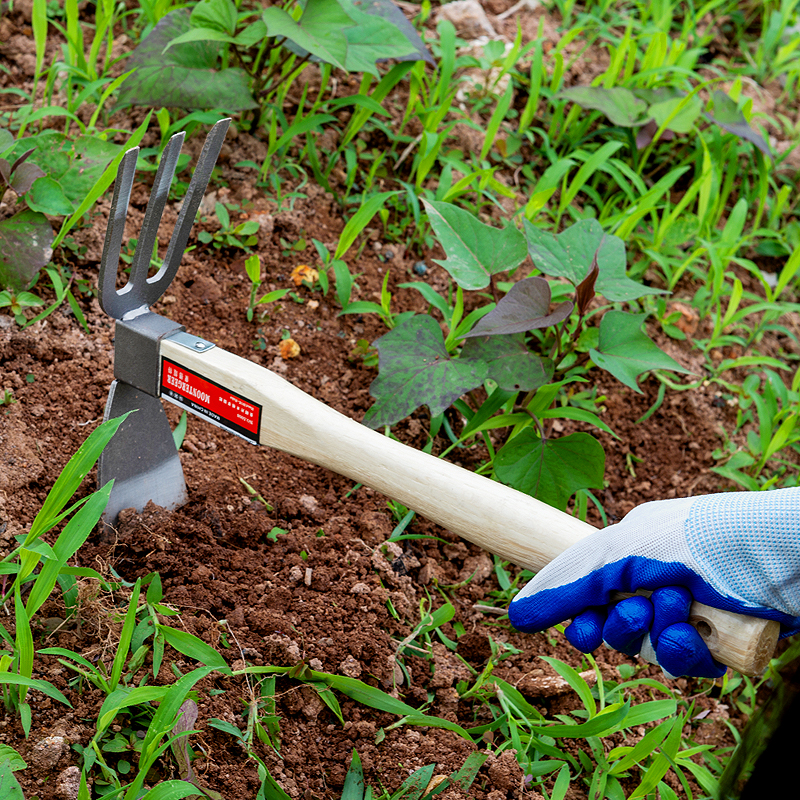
{"points": [[208, 399]]}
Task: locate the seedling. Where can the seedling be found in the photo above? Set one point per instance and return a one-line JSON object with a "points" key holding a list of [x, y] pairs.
{"points": [[240, 235], [253, 267], [524, 351]]}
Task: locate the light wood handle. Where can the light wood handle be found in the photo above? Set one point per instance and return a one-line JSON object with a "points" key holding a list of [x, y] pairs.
{"points": [[499, 519]]}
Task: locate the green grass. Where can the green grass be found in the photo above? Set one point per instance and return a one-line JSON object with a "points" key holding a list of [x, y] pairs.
{"points": [[701, 202]]}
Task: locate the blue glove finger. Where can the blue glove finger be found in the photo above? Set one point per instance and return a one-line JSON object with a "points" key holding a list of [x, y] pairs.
{"points": [[671, 605], [627, 623], [681, 651], [586, 631]]}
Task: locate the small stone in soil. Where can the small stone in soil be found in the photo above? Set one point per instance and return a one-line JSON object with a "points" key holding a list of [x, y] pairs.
{"points": [[420, 268]]}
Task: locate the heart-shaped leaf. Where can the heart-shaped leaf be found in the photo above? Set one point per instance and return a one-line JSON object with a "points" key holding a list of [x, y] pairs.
{"points": [[47, 196], [508, 362], [551, 470], [319, 31], [620, 105], [26, 245], [24, 176], [525, 307], [626, 351], [184, 76], [416, 369], [388, 46], [75, 164], [475, 251], [571, 253]]}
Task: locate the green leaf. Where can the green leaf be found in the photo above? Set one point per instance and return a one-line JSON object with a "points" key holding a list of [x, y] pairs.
{"points": [[620, 105], [184, 76], [172, 790], [413, 787], [381, 32], [510, 363], [75, 164], [475, 251], [47, 196], [525, 307], [319, 31], [354, 781], [390, 45], [218, 14], [727, 115], [34, 683], [26, 245], [570, 254], [551, 470], [9, 785], [684, 120], [609, 720], [357, 223], [465, 776], [191, 646], [415, 369], [626, 351], [71, 477], [8, 755], [6, 140]]}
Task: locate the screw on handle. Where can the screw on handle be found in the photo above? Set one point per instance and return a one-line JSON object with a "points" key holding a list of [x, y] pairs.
{"points": [[140, 291]]}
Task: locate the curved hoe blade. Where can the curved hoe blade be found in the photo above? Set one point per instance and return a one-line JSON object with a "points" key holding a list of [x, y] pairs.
{"points": [[141, 457]]}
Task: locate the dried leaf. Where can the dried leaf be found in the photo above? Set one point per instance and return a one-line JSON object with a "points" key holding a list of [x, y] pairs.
{"points": [[303, 272], [289, 348]]}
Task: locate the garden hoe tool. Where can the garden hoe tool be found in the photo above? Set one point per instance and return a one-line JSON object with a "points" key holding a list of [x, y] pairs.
{"points": [[156, 358]]}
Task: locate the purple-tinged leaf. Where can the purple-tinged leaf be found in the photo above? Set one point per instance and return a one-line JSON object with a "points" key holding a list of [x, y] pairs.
{"points": [[510, 363], [180, 747], [26, 245], [24, 175], [728, 116], [27, 154], [415, 369], [184, 76], [551, 470], [525, 307], [5, 171], [584, 291]]}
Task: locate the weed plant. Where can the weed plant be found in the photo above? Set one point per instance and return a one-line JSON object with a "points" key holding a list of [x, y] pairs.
{"points": [[583, 210]]}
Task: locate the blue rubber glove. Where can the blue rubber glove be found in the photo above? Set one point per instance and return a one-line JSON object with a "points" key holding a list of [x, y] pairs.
{"points": [[738, 551]]}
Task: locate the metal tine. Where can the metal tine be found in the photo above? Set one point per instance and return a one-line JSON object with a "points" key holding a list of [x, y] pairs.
{"points": [[158, 284], [148, 236], [114, 303]]}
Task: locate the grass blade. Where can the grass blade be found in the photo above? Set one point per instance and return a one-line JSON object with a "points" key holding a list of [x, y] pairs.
{"points": [[125, 637]]}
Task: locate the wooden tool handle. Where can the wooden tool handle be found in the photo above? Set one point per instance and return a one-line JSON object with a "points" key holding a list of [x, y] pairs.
{"points": [[495, 517]]}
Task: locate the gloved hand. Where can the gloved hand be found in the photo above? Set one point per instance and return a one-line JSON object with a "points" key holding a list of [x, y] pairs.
{"points": [[738, 551]]}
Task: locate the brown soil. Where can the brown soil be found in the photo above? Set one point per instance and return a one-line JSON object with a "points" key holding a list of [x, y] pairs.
{"points": [[320, 593]]}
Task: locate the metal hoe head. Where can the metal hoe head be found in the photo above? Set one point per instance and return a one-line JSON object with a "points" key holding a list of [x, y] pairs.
{"points": [[142, 458], [140, 292]]}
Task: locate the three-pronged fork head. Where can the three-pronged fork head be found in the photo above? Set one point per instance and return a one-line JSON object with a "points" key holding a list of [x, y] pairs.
{"points": [[141, 291]]}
